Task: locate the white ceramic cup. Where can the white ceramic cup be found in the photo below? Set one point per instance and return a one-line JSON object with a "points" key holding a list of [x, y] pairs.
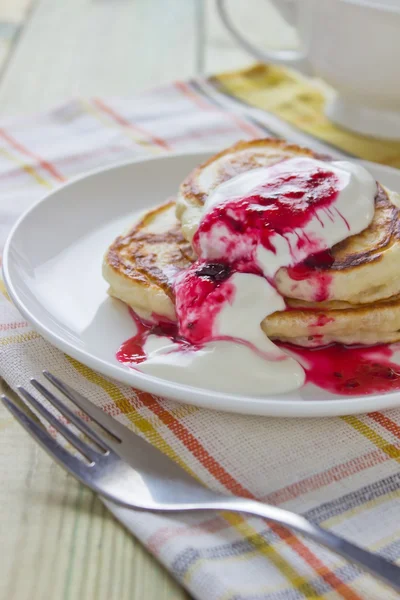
{"points": [[353, 45]]}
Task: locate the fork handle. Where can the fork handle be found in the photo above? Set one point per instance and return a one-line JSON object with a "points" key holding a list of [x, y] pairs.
{"points": [[375, 564]]}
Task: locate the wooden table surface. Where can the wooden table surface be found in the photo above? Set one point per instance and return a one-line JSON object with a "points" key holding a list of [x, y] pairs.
{"points": [[57, 541]]}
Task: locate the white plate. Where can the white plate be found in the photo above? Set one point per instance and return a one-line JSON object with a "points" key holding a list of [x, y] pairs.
{"points": [[52, 270]]}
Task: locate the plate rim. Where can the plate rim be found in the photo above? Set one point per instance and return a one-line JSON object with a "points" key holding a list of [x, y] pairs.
{"points": [[263, 406]]}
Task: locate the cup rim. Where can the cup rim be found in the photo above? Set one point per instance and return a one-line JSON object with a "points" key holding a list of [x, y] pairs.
{"points": [[375, 5]]}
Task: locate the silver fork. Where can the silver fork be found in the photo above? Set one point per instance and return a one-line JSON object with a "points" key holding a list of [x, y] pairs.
{"points": [[124, 468]]}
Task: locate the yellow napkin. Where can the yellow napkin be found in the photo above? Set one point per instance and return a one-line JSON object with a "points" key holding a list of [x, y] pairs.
{"points": [[300, 101]]}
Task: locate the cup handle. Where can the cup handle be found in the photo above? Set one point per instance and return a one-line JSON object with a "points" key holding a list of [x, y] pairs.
{"points": [[289, 58]]}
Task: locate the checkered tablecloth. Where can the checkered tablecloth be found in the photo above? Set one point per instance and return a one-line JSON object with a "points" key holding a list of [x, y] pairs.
{"points": [[342, 473]]}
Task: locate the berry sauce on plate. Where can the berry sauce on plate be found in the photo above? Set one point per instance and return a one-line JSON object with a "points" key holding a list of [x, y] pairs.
{"points": [[345, 370], [350, 370], [132, 351]]}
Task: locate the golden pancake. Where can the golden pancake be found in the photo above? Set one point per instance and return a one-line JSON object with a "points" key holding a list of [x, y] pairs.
{"points": [[140, 266], [361, 269]]}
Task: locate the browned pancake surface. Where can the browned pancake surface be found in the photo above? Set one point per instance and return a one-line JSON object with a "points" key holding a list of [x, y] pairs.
{"points": [[146, 256]]}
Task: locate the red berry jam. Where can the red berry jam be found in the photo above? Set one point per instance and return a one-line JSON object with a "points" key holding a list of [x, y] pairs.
{"points": [[350, 370], [132, 351], [200, 293], [285, 204]]}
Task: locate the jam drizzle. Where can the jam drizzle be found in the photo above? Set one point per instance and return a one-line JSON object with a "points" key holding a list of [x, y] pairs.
{"points": [[284, 205], [200, 293], [317, 266], [350, 370], [132, 351]]}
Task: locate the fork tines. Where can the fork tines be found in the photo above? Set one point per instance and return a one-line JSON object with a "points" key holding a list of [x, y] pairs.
{"points": [[101, 442]]}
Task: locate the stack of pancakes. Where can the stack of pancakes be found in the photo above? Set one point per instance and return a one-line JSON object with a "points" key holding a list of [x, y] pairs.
{"points": [[361, 279]]}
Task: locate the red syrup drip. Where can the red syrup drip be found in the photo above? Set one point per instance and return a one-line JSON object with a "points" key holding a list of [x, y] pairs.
{"points": [[132, 351], [349, 370], [316, 267], [200, 294]]}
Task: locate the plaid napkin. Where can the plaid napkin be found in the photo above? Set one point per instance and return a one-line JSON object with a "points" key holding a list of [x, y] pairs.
{"points": [[341, 473]]}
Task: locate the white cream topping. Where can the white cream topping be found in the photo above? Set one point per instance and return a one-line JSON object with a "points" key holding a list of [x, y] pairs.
{"points": [[232, 366], [219, 366], [351, 212]]}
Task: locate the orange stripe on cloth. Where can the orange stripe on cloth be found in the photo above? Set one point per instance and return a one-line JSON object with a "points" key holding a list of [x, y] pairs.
{"points": [[199, 101], [126, 406], [221, 475], [319, 480], [386, 423], [125, 123], [194, 445], [45, 164]]}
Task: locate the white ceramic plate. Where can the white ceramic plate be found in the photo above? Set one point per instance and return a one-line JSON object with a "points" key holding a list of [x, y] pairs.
{"points": [[52, 270]]}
